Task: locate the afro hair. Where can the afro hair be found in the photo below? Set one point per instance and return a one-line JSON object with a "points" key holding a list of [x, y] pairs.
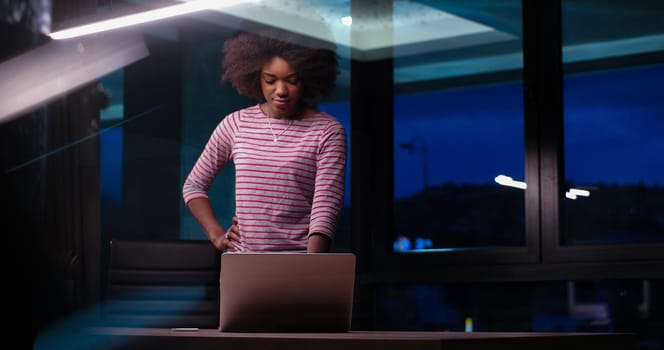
{"points": [[245, 53]]}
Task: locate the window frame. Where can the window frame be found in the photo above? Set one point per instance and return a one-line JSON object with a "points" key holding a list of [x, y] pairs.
{"points": [[542, 257]]}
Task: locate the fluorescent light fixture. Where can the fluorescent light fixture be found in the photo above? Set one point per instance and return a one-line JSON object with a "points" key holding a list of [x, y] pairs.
{"points": [[143, 17], [347, 20], [508, 181], [504, 180], [573, 193], [578, 192]]}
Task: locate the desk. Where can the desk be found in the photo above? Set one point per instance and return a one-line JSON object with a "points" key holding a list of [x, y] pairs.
{"points": [[167, 339]]}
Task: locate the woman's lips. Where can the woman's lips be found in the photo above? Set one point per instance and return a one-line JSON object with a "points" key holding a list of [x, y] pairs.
{"points": [[280, 103]]}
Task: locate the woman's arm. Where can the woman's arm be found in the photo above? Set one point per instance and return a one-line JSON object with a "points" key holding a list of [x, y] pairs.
{"points": [[213, 158], [329, 188], [318, 243], [202, 211]]}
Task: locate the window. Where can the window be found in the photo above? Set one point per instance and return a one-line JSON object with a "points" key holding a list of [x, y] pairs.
{"points": [[614, 172], [459, 176]]}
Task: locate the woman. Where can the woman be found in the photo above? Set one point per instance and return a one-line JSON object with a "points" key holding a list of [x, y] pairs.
{"points": [[289, 158]]}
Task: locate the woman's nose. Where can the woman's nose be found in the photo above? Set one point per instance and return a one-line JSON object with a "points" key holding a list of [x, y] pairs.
{"points": [[280, 89]]}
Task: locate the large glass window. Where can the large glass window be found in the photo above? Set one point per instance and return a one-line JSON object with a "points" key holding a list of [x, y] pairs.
{"points": [[459, 176], [110, 150], [111, 131], [613, 126]]}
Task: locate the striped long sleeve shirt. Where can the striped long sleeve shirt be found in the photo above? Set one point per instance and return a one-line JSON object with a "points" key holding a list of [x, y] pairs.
{"points": [[285, 189]]}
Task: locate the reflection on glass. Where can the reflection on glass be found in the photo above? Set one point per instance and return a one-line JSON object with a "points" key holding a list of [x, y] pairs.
{"points": [[537, 306], [612, 125], [458, 126], [618, 163]]}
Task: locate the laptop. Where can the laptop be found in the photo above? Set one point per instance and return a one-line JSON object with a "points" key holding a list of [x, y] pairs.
{"points": [[286, 292]]}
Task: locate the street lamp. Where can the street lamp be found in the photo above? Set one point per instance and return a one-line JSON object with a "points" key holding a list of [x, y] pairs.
{"points": [[424, 150]]}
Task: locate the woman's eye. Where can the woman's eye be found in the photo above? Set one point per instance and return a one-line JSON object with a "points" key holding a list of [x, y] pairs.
{"points": [[293, 81], [269, 81]]}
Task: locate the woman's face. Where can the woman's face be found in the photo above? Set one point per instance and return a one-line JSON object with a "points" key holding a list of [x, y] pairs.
{"points": [[281, 87]]}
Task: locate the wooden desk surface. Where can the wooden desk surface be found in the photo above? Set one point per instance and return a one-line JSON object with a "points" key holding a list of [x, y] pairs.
{"points": [[160, 338]]}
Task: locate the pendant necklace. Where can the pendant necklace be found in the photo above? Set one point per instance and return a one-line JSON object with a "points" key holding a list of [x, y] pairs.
{"points": [[276, 137]]}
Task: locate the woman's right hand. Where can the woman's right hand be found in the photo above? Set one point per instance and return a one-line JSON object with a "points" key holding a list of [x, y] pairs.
{"points": [[231, 239]]}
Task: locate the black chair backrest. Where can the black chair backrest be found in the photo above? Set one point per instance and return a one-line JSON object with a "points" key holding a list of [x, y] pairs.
{"points": [[163, 284]]}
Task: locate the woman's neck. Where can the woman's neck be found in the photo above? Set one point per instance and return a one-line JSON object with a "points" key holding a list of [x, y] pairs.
{"points": [[300, 112]]}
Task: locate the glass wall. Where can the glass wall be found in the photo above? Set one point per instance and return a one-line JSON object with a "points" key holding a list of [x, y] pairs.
{"points": [[613, 125], [459, 176], [462, 176]]}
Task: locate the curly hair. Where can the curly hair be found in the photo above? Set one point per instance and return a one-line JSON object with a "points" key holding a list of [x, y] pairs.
{"points": [[245, 53]]}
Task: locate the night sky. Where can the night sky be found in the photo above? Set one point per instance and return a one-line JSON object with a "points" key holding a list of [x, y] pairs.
{"points": [[614, 127], [614, 131]]}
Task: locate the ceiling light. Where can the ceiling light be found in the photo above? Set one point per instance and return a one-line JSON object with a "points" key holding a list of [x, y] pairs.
{"points": [[143, 17], [578, 192], [508, 181], [347, 20], [573, 193]]}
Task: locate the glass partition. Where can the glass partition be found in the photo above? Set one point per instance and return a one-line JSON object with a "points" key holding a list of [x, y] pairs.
{"points": [[614, 172], [459, 178]]}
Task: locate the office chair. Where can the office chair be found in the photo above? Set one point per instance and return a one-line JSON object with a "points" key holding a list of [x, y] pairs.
{"points": [[162, 284]]}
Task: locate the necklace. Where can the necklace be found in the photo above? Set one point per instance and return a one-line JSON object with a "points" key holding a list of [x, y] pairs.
{"points": [[276, 137]]}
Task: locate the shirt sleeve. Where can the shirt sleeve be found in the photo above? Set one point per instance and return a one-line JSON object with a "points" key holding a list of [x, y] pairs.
{"points": [[215, 155], [330, 180]]}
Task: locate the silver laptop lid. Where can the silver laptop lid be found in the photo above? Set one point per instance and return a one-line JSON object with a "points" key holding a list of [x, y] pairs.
{"points": [[286, 292]]}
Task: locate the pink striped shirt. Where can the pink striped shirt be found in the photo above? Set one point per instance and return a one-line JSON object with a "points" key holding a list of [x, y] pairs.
{"points": [[284, 190]]}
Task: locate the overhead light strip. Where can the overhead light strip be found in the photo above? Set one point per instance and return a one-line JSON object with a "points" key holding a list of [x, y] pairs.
{"points": [[505, 180], [144, 17], [508, 181]]}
